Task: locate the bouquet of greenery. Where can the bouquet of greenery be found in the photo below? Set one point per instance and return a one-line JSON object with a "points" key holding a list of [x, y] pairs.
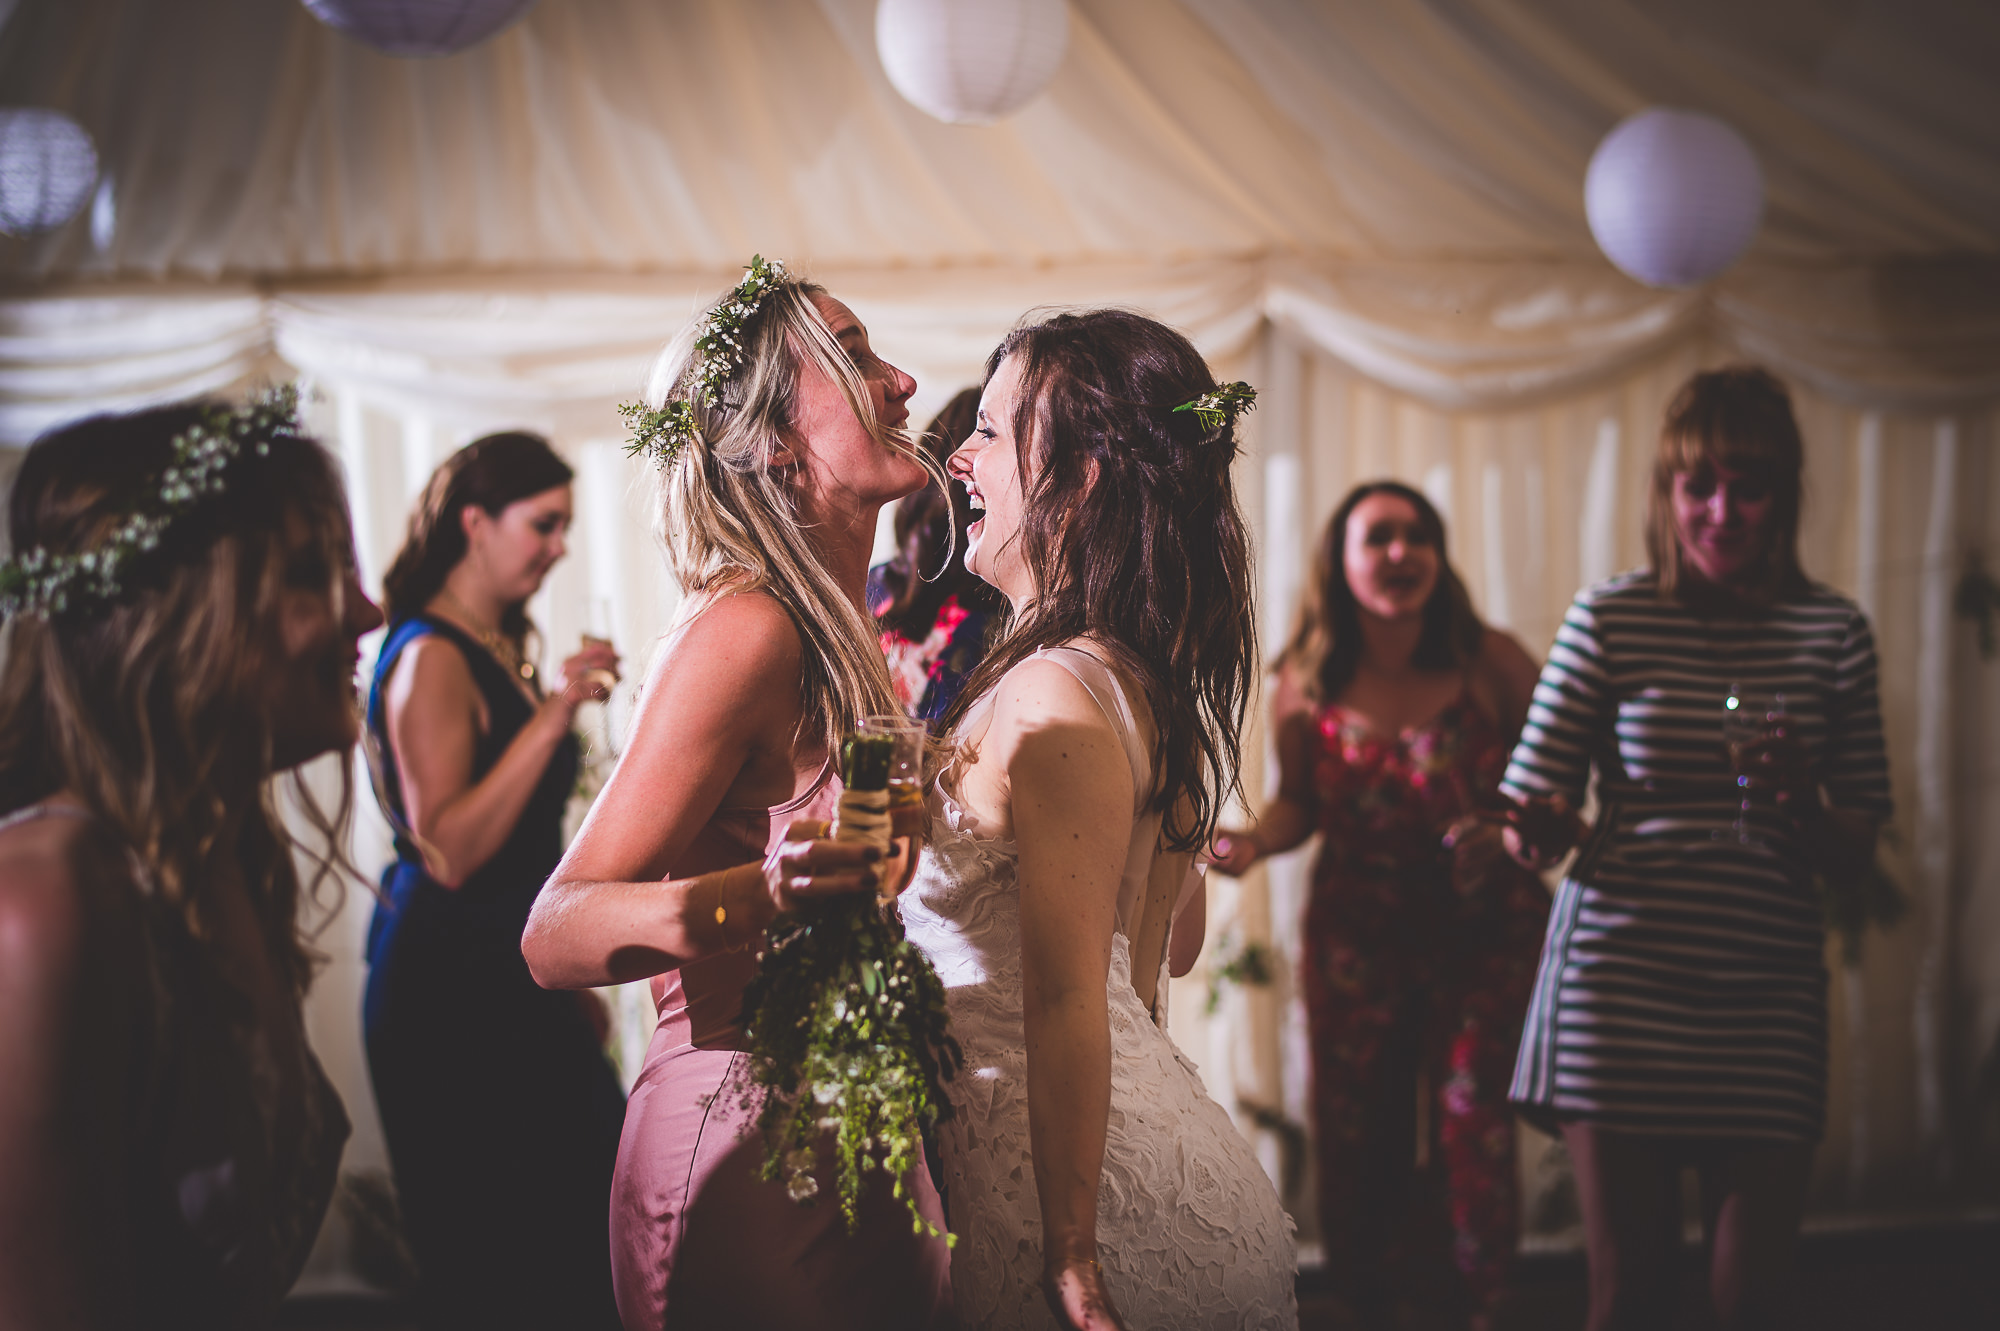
{"points": [[847, 1025]]}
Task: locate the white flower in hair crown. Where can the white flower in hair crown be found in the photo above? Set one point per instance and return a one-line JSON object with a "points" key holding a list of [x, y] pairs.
{"points": [[1218, 408], [36, 582], [663, 433]]}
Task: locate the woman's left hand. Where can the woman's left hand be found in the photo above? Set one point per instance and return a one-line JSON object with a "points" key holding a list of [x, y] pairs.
{"points": [[587, 676], [808, 864], [1075, 1290], [1476, 845], [1774, 766]]}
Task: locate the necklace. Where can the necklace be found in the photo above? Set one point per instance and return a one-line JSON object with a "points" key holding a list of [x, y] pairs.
{"points": [[502, 648]]}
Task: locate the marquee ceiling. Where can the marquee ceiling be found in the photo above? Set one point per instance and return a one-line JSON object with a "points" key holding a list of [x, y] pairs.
{"points": [[244, 139]]}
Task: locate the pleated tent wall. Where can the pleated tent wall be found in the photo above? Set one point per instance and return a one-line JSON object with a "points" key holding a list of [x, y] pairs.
{"points": [[1372, 210]]}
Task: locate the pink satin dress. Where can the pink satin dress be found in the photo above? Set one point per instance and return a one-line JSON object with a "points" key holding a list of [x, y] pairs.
{"points": [[697, 1240]]}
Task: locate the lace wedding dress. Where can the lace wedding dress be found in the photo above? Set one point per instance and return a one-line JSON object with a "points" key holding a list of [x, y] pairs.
{"points": [[1189, 1229]]}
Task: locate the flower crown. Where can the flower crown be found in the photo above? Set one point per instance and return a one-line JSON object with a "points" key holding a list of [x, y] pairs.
{"points": [[37, 582], [1219, 408], [719, 354]]}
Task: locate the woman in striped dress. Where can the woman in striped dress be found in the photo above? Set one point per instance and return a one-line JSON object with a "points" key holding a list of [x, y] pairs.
{"points": [[1679, 1015]]}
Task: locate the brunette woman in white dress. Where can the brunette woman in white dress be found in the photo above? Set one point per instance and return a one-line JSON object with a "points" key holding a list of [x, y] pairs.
{"points": [[1091, 1180]]}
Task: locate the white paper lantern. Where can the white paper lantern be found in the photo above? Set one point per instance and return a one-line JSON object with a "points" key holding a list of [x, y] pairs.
{"points": [[971, 62], [418, 27], [48, 168], [1673, 196]]}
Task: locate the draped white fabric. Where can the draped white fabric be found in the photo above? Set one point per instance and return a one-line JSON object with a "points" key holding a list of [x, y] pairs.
{"points": [[1371, 208], [1410, 170]]}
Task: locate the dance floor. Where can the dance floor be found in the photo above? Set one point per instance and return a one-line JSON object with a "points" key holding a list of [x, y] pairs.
{"points": [[1938, 1276], [1942, 1276]]}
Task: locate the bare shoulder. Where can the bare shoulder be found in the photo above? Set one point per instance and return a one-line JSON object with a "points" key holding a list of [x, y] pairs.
{"points": [[41, 909], [1038, 693], [730, 667], [741, 631], [1502, 653], [432, 667], [1288, 694], [1506, 674], [58, 876]]}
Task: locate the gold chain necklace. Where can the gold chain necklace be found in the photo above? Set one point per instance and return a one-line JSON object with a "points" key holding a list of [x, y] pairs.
{"points": [[501, 647]]}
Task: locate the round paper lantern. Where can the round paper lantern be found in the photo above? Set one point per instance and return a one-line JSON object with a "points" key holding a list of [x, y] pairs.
{"points": [[1673, 196], [418, 27], [971, 62], [48, 167]]}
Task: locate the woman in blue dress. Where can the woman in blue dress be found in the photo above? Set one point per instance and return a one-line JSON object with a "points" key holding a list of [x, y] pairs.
{"points": [[501, 1112]]}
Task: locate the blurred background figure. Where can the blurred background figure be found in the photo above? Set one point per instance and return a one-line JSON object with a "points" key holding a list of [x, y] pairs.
{"points": [[1729, 706], [168, 1141], [501, 1112], [1394, 710], [932, 612]]}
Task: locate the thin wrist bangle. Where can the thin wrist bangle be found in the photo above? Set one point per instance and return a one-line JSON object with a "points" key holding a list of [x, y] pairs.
{"points": [[721, 911]]}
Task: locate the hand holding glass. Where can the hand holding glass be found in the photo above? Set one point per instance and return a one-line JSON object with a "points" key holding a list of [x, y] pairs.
{"points": [[1763, 755], [906, 790]]}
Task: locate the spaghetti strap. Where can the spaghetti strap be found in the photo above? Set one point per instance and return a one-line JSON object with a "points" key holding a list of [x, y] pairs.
{"points": [[43, 809], [1108, 691], [142, 876]]}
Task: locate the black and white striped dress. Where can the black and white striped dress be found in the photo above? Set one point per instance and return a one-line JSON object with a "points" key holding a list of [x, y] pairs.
{"points": [[1682, 987]]}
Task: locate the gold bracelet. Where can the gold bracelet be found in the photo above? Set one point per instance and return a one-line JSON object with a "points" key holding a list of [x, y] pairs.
{"points": [[721, 912]]}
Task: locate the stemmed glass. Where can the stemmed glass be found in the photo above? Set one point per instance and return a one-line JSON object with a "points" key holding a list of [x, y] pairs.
{"points": [[599, 634], [1746, 720]]}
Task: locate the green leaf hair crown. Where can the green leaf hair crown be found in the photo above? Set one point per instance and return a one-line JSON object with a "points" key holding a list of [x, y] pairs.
{"points": [[37, 582], [663, 433], [1225, 404]]}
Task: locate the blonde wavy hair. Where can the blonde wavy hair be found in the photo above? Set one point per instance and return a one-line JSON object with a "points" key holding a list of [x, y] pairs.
{"points": [[727, 511], [138, 707]]}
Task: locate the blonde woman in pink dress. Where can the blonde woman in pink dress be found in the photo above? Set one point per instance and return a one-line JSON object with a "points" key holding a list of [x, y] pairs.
{"points": [[774, 459]]}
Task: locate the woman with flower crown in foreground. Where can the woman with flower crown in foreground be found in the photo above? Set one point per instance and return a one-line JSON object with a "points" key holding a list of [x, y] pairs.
{"points": [[1093, 1182], [184, 617], [778, 435]]}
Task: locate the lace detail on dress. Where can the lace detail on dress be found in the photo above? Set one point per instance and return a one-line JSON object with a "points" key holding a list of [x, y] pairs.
{"points": [[1188, 1225]]}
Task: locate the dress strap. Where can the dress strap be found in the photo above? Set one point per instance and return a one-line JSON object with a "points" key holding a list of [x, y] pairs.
{"points": [[792, 805], [1106, 689], [142, 877], [43, 809]]}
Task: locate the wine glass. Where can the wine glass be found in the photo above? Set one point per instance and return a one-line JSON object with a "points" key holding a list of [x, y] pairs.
{"points": [[599, 634], [1742, 725], [1748, 719]]}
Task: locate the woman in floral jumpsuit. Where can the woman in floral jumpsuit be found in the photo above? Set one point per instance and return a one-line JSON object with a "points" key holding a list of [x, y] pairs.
{"points": [[1395, 712]]}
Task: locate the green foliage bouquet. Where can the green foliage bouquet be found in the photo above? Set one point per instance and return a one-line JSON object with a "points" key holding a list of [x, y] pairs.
{"points": [[847, 1026]]}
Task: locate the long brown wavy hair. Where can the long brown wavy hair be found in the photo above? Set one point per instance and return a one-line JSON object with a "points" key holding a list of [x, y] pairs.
{"points": [[1740, 417], [138, 707], [1325, 646], [1131, 531], [492, 472]]}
